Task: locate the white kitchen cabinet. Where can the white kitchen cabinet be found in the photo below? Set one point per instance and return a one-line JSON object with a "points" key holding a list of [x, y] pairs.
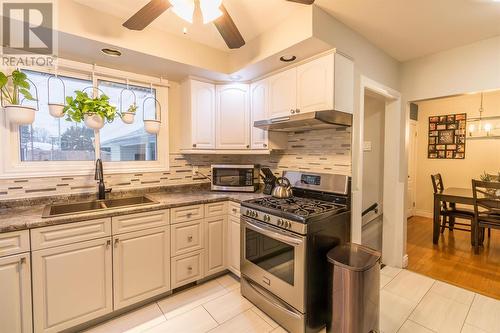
{"points": [[234, 244], [187, 268], [215, 244], [259, 106], [141, 265], [15, 294], [315, 85], [72, 284], [186, 237], [283, 93], [233, 117], [198, 117]]}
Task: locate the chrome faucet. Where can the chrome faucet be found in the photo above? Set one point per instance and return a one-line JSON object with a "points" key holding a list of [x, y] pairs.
{"points": [[99, 175]]}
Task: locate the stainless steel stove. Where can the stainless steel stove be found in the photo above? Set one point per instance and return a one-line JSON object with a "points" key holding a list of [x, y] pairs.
{"points": [[284, 244]]}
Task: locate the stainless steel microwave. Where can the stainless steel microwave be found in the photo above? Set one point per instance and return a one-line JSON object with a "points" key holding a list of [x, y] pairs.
{"points": [[235, 177]]}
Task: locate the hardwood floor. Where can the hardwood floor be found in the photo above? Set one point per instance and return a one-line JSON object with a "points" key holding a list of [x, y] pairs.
{"points": [[453, 259]]}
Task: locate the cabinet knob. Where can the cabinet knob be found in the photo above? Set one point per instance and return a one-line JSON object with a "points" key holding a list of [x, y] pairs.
{"points": [[292, 111], [190, 239], [190, 269], [117, 240], [234, 210], [297, 110], [188, 215], [194, 145], [248, 146], [22, 261], [108, 243], [265, 144]]}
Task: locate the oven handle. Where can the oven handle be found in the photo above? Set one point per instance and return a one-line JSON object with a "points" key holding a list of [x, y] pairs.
{"points": [[290, 240]]}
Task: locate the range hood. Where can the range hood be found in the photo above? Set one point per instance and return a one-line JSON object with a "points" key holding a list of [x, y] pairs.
{"points": [[306, 121]]}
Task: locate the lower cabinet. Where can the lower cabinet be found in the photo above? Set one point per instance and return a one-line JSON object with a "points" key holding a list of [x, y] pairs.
{"points": [[234, 244], [187, 268], [141, 265], [72, 284], [215, 244], [15, 294]]}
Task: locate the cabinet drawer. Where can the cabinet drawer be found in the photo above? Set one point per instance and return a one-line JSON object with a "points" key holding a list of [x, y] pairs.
{"points": [[140, 221], [186, 237], [186, 213], [14, 242], [187, 268], [234, 209], [63, 234], [216, 209]]}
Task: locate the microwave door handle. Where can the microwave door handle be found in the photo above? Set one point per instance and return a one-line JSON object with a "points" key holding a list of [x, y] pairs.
{"points": [[293, 241]]}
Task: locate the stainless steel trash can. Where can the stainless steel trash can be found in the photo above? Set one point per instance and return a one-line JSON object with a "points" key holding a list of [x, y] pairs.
{"points": [[354, 289]]}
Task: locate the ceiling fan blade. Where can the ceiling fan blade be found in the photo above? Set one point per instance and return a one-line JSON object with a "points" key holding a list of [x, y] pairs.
{"points": [[147, 14], [228, 30], [304, 2]]}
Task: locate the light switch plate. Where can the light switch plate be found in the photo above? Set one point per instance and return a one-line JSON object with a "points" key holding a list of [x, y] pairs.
{"points": [[367, 146]]}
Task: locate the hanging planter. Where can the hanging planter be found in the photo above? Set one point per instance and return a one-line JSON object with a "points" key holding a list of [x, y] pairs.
{"points": [[56, 110], [94, 112], [17, 113], [152, 126], [129, 115]]}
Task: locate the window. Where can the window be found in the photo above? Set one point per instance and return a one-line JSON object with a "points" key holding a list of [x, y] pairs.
{"points": [[51, 139], [128, 142]]}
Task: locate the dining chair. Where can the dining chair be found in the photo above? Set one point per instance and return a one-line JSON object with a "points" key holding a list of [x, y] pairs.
{"points": [[450, 212], [486, 208]]}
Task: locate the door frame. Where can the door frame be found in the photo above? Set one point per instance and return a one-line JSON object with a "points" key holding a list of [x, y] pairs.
{"points": [[395, 174], [415, 154]]}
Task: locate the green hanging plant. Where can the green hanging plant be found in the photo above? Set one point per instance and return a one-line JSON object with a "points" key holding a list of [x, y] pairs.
{"points": [[77, 107], [20, 86]]}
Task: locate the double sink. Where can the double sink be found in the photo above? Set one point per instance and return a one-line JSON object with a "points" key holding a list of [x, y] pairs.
{"points": [[94, 206]]}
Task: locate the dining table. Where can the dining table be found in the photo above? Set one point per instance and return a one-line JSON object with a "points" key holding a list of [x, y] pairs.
{"points": [[452, 195]]}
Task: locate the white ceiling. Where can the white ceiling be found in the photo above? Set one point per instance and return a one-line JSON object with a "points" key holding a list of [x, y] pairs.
{"points": [[252, 17], [408, 29]]}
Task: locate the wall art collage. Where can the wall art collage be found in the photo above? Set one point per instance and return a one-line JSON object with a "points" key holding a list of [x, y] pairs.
{"points": [[447, 136]]}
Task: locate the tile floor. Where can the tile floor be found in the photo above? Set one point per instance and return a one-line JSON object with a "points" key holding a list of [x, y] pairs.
{"points": [[410, 303]]}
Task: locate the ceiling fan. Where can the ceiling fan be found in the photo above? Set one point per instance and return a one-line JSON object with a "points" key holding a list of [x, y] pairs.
{"points": [[212, 10]]}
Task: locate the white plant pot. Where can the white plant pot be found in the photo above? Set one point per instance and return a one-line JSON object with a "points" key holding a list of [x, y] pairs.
{"points": [[94, 121], [128, 117], [152, 126], [56, 110], [20, 114]]}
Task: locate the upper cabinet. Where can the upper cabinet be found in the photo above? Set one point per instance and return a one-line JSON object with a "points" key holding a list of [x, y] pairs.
{"points": [[199, 115], [326, 83], [259, 106], [232, 116], [282, 93]]}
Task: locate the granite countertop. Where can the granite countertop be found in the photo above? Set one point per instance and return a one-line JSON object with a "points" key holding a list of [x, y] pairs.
{"points": [[28, 217]]}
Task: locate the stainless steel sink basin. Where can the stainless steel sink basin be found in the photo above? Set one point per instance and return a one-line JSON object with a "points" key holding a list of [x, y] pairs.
{"points": [[92, 206]]}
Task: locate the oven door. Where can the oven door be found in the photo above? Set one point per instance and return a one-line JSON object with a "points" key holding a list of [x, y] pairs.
{"points": [[275, 259]]}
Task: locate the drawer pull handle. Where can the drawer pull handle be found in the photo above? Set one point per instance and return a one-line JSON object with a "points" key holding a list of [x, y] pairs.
{"points": [[108, 243], [234, 210], [117, 240], [190, 239], [189, 214], [190, 269], [22, 261]]}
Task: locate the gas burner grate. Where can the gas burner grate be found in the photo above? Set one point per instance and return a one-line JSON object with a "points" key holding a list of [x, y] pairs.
{"points": [[299, 206]]}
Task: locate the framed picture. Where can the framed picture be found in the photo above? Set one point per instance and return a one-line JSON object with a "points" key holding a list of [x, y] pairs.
{"points": [[447, 136]]}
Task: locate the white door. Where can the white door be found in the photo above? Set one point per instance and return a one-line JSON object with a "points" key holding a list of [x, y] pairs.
{"points": [[259, 109], [203, 115], [283, 93], [315, 85], [215, 244], [234, 244], [412, 168], [233, 117], [15, 294], [141, 265], [72, 284]]}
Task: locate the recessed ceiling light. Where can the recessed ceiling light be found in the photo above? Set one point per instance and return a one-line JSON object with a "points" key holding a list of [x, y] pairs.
{"points": [[235, 77], [288, 58], [111, 52]]}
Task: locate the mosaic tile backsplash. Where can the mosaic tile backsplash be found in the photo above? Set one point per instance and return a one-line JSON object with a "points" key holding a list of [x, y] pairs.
{"points": [[326, 151]]}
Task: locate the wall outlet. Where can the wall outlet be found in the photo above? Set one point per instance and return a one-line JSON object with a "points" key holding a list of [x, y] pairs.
{"points": [[195, 171]]}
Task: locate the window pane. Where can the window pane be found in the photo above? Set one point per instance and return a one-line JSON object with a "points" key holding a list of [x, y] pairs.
{"points": [[52, 139], [128, 142]]}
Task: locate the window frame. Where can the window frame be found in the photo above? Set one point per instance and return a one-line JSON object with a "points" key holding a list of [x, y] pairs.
{"points": [[11, 165]]}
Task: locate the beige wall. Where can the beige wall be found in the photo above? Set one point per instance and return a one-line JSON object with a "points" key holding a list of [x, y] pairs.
{"points": [[480, 154]]}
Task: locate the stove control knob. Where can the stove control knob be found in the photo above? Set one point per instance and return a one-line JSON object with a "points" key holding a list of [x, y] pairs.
{"points": [[266, 218], [247, 212], [288, 224], [256, 214], [280, 222]]}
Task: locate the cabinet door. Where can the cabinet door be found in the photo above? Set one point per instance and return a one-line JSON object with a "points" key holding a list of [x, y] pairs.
{"points": [[315, 85], [344, 84], [72, 284], [141, 265], [234, 244], [15, 294], [259, 106], [203, 115], [233, 117], [215, 244], [283, 93]]}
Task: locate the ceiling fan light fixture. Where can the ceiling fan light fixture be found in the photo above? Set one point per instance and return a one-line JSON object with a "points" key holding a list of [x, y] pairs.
{"points": [[184, 9], [210, 10]]}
